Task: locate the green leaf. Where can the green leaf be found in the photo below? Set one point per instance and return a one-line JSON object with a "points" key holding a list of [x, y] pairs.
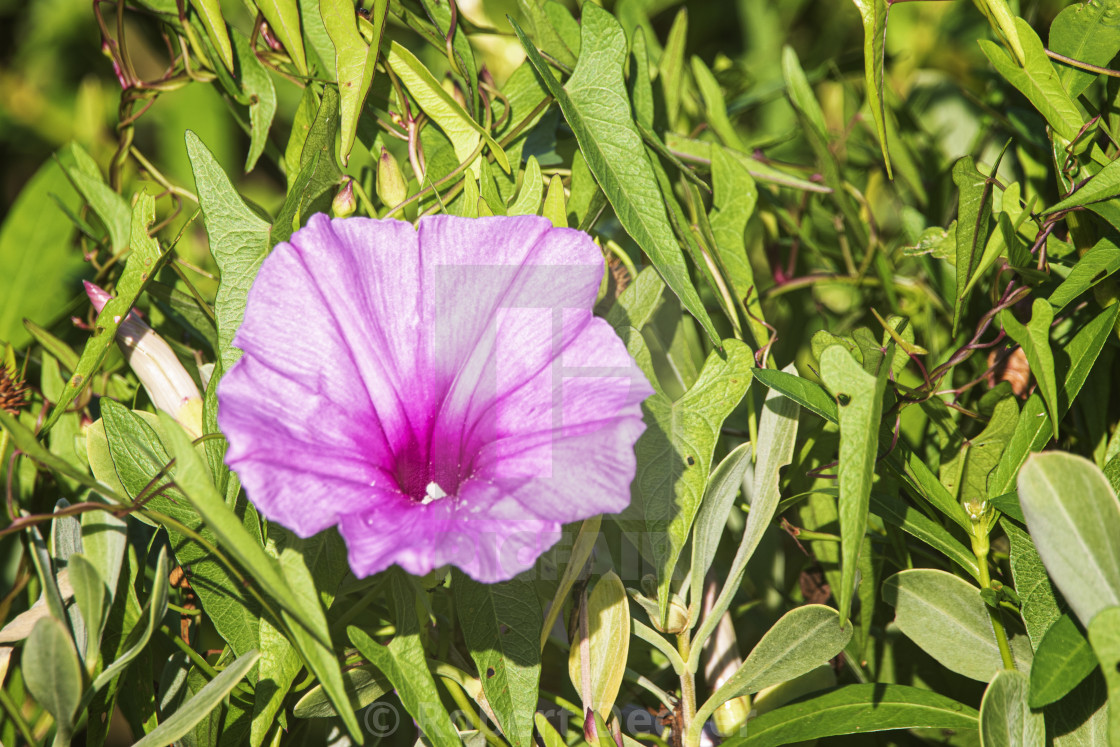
{"points": [[239, 241], [52, 673], [1037, 80], [811, 116], [142, 264], [1002, 19], [488, 189], [110, 207], [1032, 431], [1104, 185], [193, 478], [857, 709], [946, 617], [808, 394], [91, 593], [982, 453], [501, 624], [104, 537], [1074, 517], [354, 61], [283, 20], [290, 585], [445, 111], [1005, 718], [777, 437], [301, 127], [139, 459], [915, 523], [759, 169], [150, 617], [671, 67], [402, 662], [313, 640], [595, 104], [1075, 360], [24, 439], [861, 406], [318, 158], [675, 453], [256, 82], [34, 280], [723, 486], [873, 14], [608, 623], [1104, 634], [547, 36], [714, 106], [528, 200], [279, 665], [1039, 603], [1086, 32], [1095, 265], [1034, 338], [210, 697], [1061, 662], [974, 210], [801, 640], [734, 195], [640, 84], [637, 304], [367, 683], [210, 11], [581, 550]]}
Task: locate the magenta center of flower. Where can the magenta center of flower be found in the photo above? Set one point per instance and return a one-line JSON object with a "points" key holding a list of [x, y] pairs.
{"points": [[424, 479]]}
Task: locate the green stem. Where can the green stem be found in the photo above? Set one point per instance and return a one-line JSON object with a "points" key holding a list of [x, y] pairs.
{"points": [[688, 686], [469, 711], [981, 546], [16, 716]]}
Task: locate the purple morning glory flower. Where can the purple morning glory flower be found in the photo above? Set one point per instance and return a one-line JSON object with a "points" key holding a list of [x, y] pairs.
{"points": [[442, 395]]}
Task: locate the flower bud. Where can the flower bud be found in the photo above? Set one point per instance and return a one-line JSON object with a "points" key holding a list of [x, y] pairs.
{"points": [[391, 186], [344, 204], [168, 384]]}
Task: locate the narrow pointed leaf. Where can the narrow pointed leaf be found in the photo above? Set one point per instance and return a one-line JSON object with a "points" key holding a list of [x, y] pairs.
{"points": [[595, 104], [142, 264], [444, 110], [186, 716], [861, 407], [283, 19], [858, 709], [873, 14], [675, 453], [354, 61], [1034, 338], [1037, 79]]}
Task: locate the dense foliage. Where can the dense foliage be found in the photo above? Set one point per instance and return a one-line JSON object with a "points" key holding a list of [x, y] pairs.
{"points": [[865, 252]]}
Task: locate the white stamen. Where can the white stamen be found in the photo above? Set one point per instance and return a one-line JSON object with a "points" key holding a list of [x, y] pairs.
{"points": [[433, 493]]}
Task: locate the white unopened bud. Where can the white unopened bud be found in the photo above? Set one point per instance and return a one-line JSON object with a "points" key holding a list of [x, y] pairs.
{"points": [[156, 365]]}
